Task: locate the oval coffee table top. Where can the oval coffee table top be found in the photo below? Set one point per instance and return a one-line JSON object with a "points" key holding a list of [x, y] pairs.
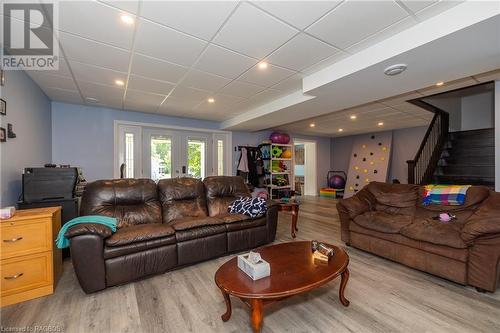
{"points": [[293, 271]]}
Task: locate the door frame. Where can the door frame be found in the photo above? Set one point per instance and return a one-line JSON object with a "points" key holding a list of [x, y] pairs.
{"points": [[311, 168], [215, 133]]}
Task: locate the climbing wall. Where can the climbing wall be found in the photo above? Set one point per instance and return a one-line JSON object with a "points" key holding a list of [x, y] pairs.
{"points": [[370, 159]]}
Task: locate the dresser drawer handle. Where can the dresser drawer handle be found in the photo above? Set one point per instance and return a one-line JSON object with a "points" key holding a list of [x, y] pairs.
{"points": [[13, 277], [13, 240]]}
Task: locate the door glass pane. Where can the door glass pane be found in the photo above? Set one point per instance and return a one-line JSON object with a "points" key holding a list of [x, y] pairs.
{"points": [[220, 157], [196, 158], [129, 155], [161, 157]]}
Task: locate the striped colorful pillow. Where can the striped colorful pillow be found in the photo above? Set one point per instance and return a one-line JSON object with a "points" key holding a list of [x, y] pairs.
{"points": [[446, 195]]}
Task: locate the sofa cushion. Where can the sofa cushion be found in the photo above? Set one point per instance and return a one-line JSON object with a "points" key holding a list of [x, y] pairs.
{"points": [[130, 201], [139, 233], [394, 198], [221, 191], [383, 222], [232, 218], [200, 232], [118, 251], [194, 222], [182, 197], [435, 232], [246, 224]]}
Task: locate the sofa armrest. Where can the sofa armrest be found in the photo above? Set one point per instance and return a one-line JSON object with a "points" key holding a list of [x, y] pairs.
{"points": [[351, 207], [272, 222], [485, 221], [88, 229]]}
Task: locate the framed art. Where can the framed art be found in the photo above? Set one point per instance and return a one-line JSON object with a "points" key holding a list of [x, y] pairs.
{"points": [[3, 135], [3, 107]]}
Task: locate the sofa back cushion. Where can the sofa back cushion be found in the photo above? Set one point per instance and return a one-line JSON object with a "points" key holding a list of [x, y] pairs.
{"points": [[221, 191], [394, 198], [181, 198], [474, 197], [130, 201]]}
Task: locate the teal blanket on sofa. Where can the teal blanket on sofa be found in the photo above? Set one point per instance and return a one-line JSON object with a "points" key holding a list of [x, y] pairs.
{"points": [[62, 241]]}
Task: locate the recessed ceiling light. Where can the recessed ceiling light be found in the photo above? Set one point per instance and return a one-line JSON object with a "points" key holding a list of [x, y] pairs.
{"points": [[353, 116], [395, 69], [341, 129], [211, 100], [127, 19], [312, 125], [119, 82], [440, 83], [380, 123], [263, 65]]}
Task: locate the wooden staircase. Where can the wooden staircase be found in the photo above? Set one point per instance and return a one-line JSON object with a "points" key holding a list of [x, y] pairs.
{"points": [[468, 157]]}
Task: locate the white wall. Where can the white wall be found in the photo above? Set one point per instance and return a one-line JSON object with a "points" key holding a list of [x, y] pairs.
{"points": [[405, 143], [477, 111], [28, 109]]}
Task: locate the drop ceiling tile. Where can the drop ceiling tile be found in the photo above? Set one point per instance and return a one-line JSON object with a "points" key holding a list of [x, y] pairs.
{"points": [[268, 77], [293, 83], [417, 5], [99, 75], [144, 84], [220, 61], [105, 95], [300, 14], [201, 80], [167, 44], [227, 100], [253, 32], [63, 95], [45, 79], [96, 21], [265, 97], [400, 99], [94, 53], [353, 21], [222, 103], [413, 110], [242, 89], [188, 95], [142, 101], [63, 70], [175, 106], [437, 8], [301, 52], [199, 18], [157, 69], [128, 6], [461, 83], [387, 32], [326, 62]]}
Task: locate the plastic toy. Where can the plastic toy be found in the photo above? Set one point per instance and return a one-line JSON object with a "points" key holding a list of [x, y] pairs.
{"points": [[277, 152], [336, 180], [280, 138], [287, 154]]}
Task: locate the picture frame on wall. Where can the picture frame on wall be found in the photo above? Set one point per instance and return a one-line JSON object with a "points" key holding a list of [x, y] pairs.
{"points": [[3, 107], [3, 135]]}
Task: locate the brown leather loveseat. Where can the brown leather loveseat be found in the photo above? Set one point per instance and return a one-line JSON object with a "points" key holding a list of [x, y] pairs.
{"points": [[161, 227], [389, 220]]}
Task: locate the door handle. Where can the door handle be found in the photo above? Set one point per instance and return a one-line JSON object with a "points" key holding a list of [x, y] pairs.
{"points": [[13, 277], [13, 240]]}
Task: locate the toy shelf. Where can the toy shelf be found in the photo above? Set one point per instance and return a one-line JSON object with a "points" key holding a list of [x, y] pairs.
{"points": [[279, 171]]}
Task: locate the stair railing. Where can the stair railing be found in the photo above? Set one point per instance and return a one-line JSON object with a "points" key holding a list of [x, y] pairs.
{"points": [[422, 167]]}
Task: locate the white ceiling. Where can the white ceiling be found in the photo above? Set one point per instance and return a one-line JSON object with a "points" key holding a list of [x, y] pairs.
{"points": [[179, 53]]}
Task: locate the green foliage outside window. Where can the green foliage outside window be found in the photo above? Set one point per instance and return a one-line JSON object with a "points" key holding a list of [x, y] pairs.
{"points": [[195, 159]]}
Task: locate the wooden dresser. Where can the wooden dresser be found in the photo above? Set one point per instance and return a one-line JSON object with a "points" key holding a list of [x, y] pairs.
{"points": [[30, 262]]}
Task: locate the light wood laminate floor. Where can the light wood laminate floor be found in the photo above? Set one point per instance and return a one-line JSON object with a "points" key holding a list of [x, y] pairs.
{"points": [[385, 297]]}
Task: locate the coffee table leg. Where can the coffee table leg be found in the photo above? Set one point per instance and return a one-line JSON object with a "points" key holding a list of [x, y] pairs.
{"points": [[295, 214], [227, 315], [256, 315], [343, 283]]}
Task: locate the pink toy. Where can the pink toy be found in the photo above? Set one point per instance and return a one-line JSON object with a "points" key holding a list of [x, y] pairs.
{"points": [[445, 217]]}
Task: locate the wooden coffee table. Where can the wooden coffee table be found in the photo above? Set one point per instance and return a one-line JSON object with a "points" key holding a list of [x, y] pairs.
{"points": [[293, 271]]}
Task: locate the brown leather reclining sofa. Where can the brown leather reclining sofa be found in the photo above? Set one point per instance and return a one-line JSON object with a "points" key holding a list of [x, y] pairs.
{"points": [[161, 227], [389, 220]]}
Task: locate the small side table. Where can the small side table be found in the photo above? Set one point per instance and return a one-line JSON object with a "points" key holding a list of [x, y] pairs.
{"points": [[291, 207]]}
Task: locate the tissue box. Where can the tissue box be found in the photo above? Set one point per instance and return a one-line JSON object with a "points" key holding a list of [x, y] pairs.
{"points": [[7, 213], [255, 271]]}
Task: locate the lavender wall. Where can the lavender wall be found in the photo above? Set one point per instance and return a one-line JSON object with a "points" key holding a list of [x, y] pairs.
{"points": [[28, 109], [405, 143]]}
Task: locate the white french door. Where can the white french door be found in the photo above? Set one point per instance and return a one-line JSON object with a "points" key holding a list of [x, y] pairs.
{"points": [[159, 153]]}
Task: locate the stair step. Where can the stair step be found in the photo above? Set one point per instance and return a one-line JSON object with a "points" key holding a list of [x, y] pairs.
{"points": [[465, 180], [481, 133], [461, 169], [468, 160]]}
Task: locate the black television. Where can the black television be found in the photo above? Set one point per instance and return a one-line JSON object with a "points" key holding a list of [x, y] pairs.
{"points": [[43, 184]]}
